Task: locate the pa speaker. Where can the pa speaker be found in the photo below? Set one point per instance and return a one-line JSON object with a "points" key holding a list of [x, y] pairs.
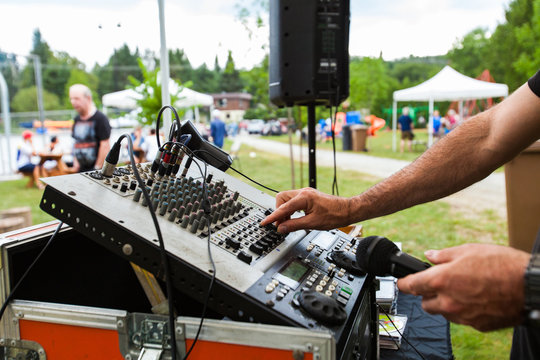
{"points": [[309, 52]]}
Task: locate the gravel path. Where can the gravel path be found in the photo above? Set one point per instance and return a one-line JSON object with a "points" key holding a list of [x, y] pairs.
{"points": [[488, 194]]}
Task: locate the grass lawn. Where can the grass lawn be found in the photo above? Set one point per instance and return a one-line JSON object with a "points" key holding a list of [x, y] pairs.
{"points": [[433, 225], [379, 145]]}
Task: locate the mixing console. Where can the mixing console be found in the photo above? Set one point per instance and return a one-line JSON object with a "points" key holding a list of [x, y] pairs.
{"points": [[306, 279]]}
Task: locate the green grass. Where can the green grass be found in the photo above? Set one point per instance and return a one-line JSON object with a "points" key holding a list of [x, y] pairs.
{"points": [[15, 194], [429, 226], [433, 225], [379, 145]]}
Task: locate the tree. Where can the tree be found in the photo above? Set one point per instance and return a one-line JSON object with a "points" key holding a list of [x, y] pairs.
{"points": [[26, 100], [121, 65], [256, 83], [504, 46], [205, 80], [150, 90], [43, 51], [230, 79], [528, 37], [469, 54], [369, 83], [180, 67]]}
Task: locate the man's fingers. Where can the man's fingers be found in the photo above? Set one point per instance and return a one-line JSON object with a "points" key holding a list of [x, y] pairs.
{"points": [[304, 222], [444, 255], [420, 283]]}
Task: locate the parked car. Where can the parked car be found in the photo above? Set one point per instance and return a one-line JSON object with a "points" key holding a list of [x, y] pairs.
{"points": [[272, 128], [255, 126]]}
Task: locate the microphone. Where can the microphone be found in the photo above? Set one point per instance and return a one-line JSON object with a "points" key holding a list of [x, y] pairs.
{"points": [[379, 256]]}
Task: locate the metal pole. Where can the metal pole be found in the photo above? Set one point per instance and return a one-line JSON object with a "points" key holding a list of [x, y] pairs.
{"points": [[301, 146], [430, 123], [394, 125], [39, 87], [291, 155], [164, 64], [7, 123], [311, 147]]}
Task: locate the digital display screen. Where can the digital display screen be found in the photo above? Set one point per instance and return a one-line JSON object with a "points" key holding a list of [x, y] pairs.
{"points": [[294, 271]]}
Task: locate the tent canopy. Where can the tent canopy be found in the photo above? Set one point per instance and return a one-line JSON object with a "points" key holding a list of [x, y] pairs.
{"points": [[127, 99], [447, 85], [450, 85]]}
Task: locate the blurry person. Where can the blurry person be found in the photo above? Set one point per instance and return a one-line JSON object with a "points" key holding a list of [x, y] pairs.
{"points": [[53, 148], [24, 160], [217, 129], [91, 131], [406, 126], [150, 146], [138, 142], [437, 124]]}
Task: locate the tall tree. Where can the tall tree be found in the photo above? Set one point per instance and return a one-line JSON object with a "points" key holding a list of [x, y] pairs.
{"points": [[370, 84], [180, 67], [230, 78], [468, 55], [504, 47], [121, 65], [205, 80]]}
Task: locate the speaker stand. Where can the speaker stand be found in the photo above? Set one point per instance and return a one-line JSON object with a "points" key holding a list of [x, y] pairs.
{"points": [[311, 146]]}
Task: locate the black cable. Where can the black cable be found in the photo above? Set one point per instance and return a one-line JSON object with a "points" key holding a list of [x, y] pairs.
{"points": [[399, 332], [164, 259], [12, 292], [253, 181], [238, 172], [177, 123]]}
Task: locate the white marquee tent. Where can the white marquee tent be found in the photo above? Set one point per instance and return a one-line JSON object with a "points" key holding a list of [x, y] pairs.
{"points": [[127, 99], [447, 85]]}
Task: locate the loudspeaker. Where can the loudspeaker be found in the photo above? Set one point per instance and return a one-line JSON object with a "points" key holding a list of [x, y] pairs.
{"points": [[309, 52]]}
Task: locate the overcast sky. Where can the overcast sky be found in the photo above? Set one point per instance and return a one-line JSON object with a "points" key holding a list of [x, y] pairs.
{"points": [[90, 30]]}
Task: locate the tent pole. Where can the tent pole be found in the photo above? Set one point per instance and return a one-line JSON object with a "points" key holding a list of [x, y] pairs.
{"points": [[461, 110], [430, 123], [164, 64], [394, 125]]}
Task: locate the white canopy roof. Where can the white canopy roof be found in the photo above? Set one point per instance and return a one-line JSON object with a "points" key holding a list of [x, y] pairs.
{"points": [[127, 99], [450, 85], [447, 85]]}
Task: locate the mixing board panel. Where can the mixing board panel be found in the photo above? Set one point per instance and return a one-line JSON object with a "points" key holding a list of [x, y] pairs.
{"points": [[306, 279]]}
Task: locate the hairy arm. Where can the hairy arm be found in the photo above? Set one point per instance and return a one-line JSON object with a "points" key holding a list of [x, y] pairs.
{"points": [[466, 155]]}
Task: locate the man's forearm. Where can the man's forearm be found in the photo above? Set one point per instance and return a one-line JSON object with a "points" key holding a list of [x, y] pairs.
{"points": [[104, 147], [466, 155]]}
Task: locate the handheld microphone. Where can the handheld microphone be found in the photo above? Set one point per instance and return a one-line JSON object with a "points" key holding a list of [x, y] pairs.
{"points": [[204, 150], [381, 257]]}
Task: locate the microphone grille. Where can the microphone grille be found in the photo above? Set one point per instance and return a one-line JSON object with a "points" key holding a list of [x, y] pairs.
{"points": [[377, 261]]}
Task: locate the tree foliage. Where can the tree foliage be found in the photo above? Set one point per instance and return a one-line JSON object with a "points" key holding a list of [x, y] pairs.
{"points": [[26, 100], [122, 65], [150, 91], [230, 79]]}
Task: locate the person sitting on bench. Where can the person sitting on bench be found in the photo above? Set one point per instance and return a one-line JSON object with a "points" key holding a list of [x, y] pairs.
{"points": [[24, 160]]}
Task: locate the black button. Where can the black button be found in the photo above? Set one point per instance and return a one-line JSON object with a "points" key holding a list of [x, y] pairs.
{"points": [[257, 249], [267, 212], [263, 244], [244, 257], [235, 244], [133, 185]]}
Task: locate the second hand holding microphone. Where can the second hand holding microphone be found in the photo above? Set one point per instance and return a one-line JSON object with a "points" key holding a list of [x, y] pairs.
{"points": [[379, 256]]}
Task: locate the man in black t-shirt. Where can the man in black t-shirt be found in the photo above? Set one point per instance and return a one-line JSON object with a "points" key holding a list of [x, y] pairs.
{"points": [[481, 285], [91, 131]]}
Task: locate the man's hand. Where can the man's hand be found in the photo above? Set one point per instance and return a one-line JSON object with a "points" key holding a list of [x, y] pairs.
{"points": [[322, 211], [474, 284]]}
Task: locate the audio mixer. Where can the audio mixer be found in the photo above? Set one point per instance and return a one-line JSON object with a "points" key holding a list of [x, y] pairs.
{"points": [[305, 279]]}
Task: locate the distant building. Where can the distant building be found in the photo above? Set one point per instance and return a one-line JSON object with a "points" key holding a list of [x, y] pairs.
{"points": [[233, 106]]}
